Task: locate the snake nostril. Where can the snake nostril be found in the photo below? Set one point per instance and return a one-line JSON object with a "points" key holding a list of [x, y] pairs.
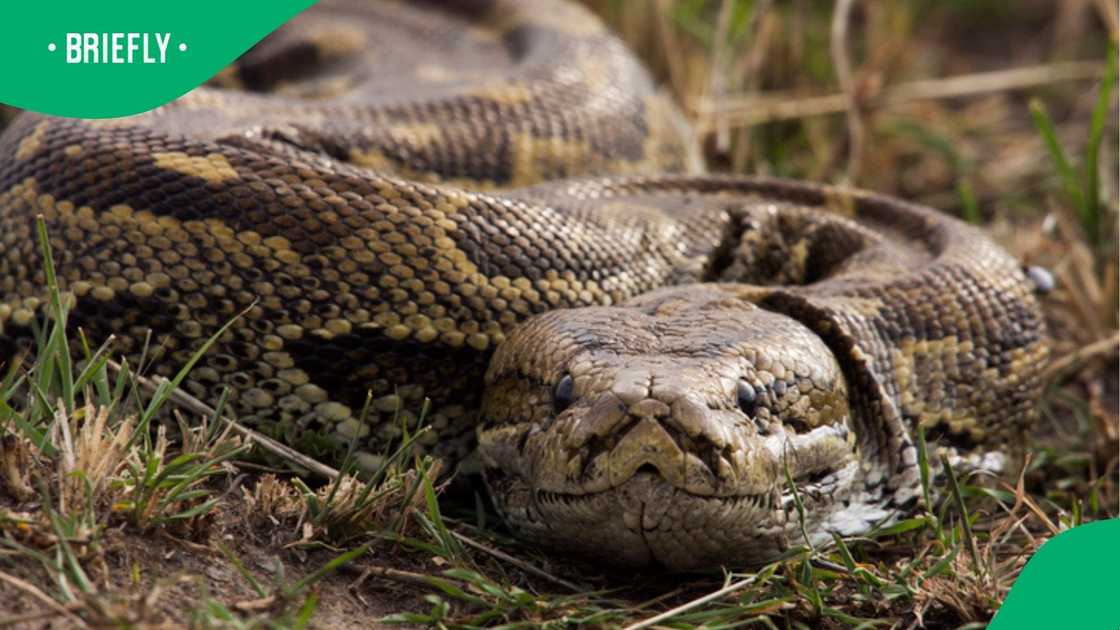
{"points": [[762, 426]]}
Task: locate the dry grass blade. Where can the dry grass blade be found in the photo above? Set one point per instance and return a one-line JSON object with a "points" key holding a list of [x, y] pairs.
{"points": [[1110, 15], [1098, 349], [842, 62], [748, 110], [696, 603], [16, 459], [1022, 498], [520, 564], [720, 71], [388, 573], [185, 400], [668, 36], [16, 620], [98, 451], [34, 591]]}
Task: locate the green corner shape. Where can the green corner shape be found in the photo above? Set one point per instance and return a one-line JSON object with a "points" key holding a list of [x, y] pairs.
{"points": [[1070, 582], [162, 50]]}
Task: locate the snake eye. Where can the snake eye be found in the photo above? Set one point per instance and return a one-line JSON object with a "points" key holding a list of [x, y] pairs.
{"points": [[748, 398], [562, 394]]}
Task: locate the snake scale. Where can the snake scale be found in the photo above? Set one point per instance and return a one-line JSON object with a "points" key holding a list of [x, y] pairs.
{"points": [[487, 205]]}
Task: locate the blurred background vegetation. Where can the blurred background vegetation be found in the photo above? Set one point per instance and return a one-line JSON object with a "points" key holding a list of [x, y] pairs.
{"points": [[921, 98]]}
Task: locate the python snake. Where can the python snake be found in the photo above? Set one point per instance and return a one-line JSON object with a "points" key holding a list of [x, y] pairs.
{"points": [[487, 205]]}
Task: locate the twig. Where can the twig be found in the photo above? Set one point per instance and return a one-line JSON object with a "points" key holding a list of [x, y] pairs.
{"points": [[668, 614], [669, 41], [1101, 347], [7, 622], [719, 72], [185, 400], [659, 598], [396, 575], [841, 17], [34, 591], [759, 31], [1022, 498], [750, 110], [520, 564], [1108, 13]]}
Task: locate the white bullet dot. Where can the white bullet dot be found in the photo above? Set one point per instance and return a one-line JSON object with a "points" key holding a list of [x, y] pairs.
{"points": [[51, 47], [182, 48]]}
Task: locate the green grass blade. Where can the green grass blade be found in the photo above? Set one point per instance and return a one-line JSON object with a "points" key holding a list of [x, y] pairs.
{"points": [[962, 509], [163, 392], [59, 345], [328, 568], [1091, 208], [1045, 126]]}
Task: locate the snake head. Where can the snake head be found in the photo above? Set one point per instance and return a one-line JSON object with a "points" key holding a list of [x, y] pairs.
{"points": [[673, 430]]}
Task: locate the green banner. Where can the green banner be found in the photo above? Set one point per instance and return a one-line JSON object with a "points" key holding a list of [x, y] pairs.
{"points": [[89, 59], [1070, 582]]}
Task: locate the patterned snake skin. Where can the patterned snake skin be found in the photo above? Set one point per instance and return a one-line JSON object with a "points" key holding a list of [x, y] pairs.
{"points": [[670, 356]]}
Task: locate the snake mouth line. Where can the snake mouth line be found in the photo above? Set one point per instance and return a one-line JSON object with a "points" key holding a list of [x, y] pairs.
{"points": [[649, 521], [544, 498], [748, 480], [780, 497]]}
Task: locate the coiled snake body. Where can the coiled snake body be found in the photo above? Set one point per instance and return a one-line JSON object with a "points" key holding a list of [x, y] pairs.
{"points": [[667, 353]]}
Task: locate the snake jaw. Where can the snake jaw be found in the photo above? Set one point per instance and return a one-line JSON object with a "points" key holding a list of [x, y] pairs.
{"points": [[651, 448]]}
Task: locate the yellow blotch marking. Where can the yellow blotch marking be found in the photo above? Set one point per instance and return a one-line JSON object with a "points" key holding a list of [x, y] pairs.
{"points": [[535, 158], [338, 41], [32, 142], [213, 167], [227, 78], [378, 161], [433, 73], [868, 307], [928, 373], [840, 202], [568, 19], [418, 137], [322, 88], [73, 150], [505, 94], [541, 159]]}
